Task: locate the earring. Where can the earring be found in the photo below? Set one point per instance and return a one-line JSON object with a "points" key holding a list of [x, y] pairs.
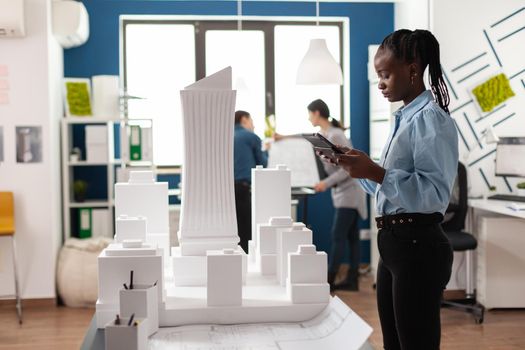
{"points": [[412, 79]]}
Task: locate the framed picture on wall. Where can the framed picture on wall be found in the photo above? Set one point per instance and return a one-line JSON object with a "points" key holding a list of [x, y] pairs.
{"points": [[491, 92], [28, 144], [77, 97]]}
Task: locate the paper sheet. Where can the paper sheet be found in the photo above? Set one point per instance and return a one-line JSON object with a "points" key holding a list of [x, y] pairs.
{"points": [[298, 155], [337, 327]]}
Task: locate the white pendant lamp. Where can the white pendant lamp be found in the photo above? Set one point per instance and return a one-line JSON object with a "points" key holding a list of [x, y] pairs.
{"points": [[318, 66]]}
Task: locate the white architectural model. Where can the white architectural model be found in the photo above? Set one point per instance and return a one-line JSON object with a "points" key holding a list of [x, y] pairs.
{"points": [[266, 237], [271, 195], [209, 279], [207, 219], [143, 197]]}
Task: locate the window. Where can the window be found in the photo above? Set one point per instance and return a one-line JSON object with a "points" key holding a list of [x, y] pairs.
{"points": [[163, 55], [244, 52], [291, 99], [156, 70]]}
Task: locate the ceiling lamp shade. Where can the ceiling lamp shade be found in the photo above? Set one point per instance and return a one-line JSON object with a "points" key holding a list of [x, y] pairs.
{"points": [[318, 66]]}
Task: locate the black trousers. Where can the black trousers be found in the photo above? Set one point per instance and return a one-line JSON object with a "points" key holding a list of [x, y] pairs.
{"points": [[345, 231], [243, 208], [413, 271]]}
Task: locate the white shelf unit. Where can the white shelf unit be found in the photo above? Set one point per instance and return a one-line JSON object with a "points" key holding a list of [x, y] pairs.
{"points": [[69, 205]]}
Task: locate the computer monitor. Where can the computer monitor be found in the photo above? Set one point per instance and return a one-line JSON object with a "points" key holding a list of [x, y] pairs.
{"points": [[510, 157]]}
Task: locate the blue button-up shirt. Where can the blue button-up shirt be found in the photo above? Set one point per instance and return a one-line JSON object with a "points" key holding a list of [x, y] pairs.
{"points": [[420, 159], [247, 153]]}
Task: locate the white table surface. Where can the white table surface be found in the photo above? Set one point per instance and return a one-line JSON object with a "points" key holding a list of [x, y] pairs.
{"points": [[496, 206]]}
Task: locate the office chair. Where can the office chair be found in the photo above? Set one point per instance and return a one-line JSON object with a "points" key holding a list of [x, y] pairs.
{"points": [[7, 228], [462, 241]]}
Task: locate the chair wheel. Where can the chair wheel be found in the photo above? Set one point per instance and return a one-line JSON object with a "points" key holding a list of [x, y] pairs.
{"points": [[479, 316]]}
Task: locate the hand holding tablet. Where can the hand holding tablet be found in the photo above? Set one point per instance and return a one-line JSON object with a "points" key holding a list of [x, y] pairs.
{"points": [[324, 148]]}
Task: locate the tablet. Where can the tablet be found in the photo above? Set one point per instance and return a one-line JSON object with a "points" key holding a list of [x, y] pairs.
{"points": [[323, 145]]}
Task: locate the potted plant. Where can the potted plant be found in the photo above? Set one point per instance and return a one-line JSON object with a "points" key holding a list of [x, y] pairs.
{"points": [[79, 190], [521, 189]]}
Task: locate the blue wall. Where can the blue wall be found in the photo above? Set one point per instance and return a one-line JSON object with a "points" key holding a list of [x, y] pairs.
{"points": [[369, 24]]}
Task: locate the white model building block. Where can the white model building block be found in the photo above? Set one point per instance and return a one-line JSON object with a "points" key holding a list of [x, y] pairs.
{"points": [[208, 217], [251, 251], [267, 233], [142, 301], [132, 248], [161, 240], [307, 270], [266, 251], [130, 228], [271, 195], [132, 243], [307, 265], [288, 241], [114, 271], [190, 271], [309, 293], [142, 196], [124, 337], [224, 276]]}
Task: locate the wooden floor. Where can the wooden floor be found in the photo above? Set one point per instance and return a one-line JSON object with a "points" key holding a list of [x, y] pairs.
{"points": [[49, 327]]}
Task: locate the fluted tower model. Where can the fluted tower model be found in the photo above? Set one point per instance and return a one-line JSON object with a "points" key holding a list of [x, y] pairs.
{"points": [[208, 220]]}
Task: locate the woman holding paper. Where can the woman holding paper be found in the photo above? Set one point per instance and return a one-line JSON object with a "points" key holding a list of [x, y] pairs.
{"points": [[348, 199]]}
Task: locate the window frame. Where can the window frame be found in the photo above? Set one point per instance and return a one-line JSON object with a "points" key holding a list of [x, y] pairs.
{"points": [[262, 23]]}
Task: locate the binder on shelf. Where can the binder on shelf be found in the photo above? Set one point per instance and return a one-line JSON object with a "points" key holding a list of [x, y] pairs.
{"points": [[146, 138], [100, 223], [124, 143], [84, 222], [135, 143], [96, 143]]}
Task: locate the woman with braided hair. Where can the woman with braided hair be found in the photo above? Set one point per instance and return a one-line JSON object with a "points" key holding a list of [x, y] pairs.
{"points": [[412, 185]]}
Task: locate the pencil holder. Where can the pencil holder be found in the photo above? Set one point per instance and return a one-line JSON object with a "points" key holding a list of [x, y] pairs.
{"points": [[142, 301], [124, 337]]}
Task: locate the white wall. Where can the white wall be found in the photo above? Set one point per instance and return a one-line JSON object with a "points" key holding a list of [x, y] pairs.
{"points": [[35, 68], [459, 26]]}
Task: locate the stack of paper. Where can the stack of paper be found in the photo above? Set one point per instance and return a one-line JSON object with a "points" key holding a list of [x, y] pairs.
{"points": [[516, 206]]}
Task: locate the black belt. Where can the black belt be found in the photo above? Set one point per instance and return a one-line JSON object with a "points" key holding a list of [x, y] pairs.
{"points": [[389, 221]]}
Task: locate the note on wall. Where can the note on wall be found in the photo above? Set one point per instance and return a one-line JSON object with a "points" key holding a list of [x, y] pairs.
{"points": [[28, 144]]}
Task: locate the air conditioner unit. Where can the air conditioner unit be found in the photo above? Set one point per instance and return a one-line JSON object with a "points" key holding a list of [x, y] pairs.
{"points": [[12, 18], [70, 23]]}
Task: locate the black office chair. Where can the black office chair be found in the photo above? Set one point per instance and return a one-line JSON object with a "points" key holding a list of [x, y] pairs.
{"points": [[462, 241]]}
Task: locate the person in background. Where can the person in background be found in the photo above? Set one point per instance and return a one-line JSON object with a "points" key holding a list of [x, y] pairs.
{"points": [[247, 153], [348, 199]]}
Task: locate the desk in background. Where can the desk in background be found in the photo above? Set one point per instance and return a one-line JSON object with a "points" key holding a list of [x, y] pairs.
{"points": [[500, 258]]}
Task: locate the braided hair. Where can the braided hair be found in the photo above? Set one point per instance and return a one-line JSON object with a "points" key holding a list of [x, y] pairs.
{"points": [[409, 46]]}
